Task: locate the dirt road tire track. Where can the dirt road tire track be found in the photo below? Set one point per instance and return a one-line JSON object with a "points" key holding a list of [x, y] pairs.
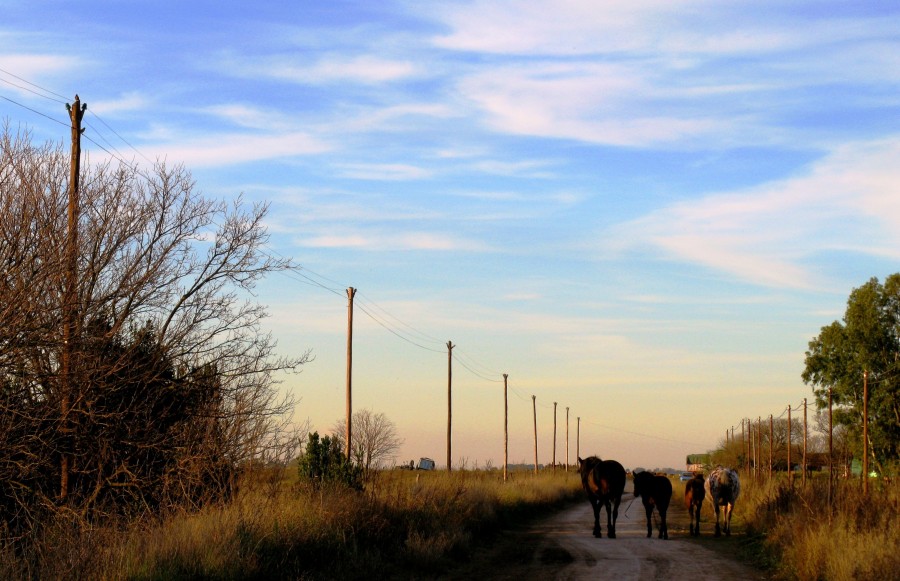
{"points": [[562, 547]]}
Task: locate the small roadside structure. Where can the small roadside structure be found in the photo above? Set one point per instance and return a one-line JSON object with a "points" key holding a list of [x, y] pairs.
{"points": [[425, 464], [697, 462]]}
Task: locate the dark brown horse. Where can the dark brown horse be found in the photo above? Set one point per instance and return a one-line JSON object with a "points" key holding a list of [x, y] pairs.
{"points": [[694, 493], [604, 482], [655, 490]]}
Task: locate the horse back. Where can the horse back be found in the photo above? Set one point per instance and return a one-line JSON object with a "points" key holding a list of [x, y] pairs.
{"points": [[694, 492], [607, 479]]}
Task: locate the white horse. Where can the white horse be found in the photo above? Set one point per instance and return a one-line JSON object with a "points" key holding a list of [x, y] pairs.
{"points": [[723, 488]]}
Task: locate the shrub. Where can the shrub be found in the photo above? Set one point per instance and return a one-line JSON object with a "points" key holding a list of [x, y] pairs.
{"points": [[323, 462]]}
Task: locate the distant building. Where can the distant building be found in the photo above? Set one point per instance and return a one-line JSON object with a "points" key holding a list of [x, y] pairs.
{"points": [[697, 462]]}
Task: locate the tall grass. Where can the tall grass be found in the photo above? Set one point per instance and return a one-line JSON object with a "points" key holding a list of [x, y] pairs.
{"points": [[405, 524], [858, 539]]}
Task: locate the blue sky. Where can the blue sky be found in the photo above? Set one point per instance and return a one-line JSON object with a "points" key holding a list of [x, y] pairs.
{"points": [[642, 211]]}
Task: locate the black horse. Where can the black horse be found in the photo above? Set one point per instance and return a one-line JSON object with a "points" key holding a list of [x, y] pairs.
{"points": [[694, 493], [604, 482], [655, 491]]}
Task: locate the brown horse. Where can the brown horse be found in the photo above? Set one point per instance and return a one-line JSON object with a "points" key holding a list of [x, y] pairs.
{"points": [[694, 493], [655, 490], [604, 482]]}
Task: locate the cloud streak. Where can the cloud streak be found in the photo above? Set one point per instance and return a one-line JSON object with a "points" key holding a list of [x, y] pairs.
{"points": [[771, 235]]}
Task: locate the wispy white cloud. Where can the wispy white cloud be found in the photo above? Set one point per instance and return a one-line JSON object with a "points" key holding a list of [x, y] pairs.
{"points": [[327, 69], [125, 103], [382, 171], [393, 242], [236, 148], [583, 101], [848, 200]]}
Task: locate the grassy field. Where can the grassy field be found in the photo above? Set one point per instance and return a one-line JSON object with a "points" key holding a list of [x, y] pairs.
{"points": [[406, 524]]}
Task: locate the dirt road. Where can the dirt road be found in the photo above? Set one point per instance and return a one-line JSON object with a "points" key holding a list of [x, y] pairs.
{"points": [[562, 547]]}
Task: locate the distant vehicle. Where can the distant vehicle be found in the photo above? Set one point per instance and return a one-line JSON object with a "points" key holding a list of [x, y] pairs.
{"points": [[685, 476], [425, 464]]}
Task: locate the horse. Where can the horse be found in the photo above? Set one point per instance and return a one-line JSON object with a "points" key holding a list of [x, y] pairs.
{"points": [[604, 483], [694, 493], [723, 488], [655, 491]]}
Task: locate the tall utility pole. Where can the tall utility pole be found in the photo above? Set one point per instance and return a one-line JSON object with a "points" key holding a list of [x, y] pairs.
{"points": [[771, 443], [567, 438], [534, 407], [749, 447], [351, 292], [865, 462], [578, 438], [554, 436], [505, 428], [805, 432], [830, 456], [789, 468], [450, 347], [70, 298]]}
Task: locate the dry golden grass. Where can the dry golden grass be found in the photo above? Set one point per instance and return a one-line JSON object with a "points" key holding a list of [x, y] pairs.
{"points": [[859, 540], [405, 524]]}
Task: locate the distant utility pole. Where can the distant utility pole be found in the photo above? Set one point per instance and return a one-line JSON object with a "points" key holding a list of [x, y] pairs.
{"points": [[578, 438], [567, 438], [70, 301], [554, 436], [534, 407], [505, 428], [351, 292], [450, 347]]}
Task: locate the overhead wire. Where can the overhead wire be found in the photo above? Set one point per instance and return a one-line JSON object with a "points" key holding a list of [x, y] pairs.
{"points": [[303, 275]]}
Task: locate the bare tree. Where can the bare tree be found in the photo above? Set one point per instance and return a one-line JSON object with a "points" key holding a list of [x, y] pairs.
{"points": [[173, 385], [375, 438]]}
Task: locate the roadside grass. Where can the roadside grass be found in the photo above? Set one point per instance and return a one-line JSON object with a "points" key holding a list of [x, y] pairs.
{"points": [[405, 524], [786, 530]]}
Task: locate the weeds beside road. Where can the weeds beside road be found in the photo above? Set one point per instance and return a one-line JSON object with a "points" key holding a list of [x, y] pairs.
{"points": [[422, 524]]}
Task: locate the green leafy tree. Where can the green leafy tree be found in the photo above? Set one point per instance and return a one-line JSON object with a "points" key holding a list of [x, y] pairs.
{"points": [[868, 340]]}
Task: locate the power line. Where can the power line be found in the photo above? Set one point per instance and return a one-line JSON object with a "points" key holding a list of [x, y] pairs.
{"points": [[397, 327]]}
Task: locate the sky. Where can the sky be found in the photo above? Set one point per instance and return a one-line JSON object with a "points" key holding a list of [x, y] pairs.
{"points": [[641, 211]]}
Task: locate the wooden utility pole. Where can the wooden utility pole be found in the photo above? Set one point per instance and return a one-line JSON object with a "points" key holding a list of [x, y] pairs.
{"points": [[865, 462], [505, 428], [805, 433], [578, 438], [450, 347], [830, 456], [789, 467], [534, 408], [771, 444], [554, 436], [567, 438], [70, 299], [759, 455], [351, 292], [749, 443]]}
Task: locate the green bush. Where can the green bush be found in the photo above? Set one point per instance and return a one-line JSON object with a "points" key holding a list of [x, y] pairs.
{"points": [[324, 463]]}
